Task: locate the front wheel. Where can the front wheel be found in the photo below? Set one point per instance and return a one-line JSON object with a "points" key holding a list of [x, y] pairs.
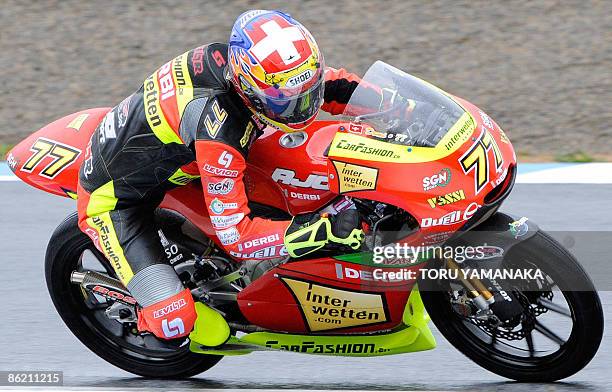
{"points": [[85, 314], [558, 333]]}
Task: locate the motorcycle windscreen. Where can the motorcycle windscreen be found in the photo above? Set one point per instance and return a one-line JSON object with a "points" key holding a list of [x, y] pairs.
{"points": [[395, 107]]}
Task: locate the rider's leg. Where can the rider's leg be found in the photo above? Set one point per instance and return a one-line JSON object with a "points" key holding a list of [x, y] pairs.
{"points": [[129, 240], [122, 227]]}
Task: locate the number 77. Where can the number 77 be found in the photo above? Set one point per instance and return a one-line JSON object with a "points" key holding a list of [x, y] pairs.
{"points": [[62, 155]]}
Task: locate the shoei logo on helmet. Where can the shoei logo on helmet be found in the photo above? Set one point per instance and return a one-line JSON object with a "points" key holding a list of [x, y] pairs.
{"points": [[300, 79], [275, 39]]}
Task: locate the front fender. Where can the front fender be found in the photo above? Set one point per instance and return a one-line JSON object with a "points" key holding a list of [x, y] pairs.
{"points": [[498, 234]]}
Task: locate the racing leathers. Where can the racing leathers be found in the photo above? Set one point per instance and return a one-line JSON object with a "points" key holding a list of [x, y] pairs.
{"points": [[185, 122]]}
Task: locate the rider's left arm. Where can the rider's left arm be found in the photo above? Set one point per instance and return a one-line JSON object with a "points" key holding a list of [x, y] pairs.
{"points": [[339, 86]]}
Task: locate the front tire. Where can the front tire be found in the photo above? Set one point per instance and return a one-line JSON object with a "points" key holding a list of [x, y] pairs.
{"points": [[153, 358], [584, 310]]}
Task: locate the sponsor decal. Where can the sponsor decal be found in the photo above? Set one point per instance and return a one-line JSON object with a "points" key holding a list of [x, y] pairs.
{"points": [[300, 79], [327, 308], [166, 83], [334, 348], [218, 57], [503, 137], [223, 222], [244, 19], [106, 292], [11, 161], [219, 116], [177, 69], [88, 163], [244, 140], [435, 238], [123, 110], [486, 120], [287, 177], [371, 276], [219, 171], [94, 236], [221, 188], [437, 180], [78, 121], [360, 129], [151, 101], [462, 134], [217, 206], [352, 178], [105, 242], [228, 236], [197, 61], [365, 149], [173, 328], [500, 179], [262, 254], [304, 196], [355, 128], [488, 252], [449, 198], [270, 239], [225, 159], [452, 217], [260, 124], [519, 228], [171, 307], [106, 129]]}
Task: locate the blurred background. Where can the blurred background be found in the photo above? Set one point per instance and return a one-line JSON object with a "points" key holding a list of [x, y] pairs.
{"points": [[542, 69]]}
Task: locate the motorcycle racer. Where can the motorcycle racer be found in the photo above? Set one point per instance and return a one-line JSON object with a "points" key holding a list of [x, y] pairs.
{"points": [[196, 117]]}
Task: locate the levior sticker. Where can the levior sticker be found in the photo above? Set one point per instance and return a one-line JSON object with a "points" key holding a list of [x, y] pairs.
{"points": [[326, 308], [353, 177]]}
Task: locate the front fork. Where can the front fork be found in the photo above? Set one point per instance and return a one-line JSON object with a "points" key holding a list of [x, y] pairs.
{"points": [[477, 291]]}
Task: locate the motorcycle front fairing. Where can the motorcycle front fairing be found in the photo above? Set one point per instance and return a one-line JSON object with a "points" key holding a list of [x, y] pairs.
{"points": [[434, 155]]}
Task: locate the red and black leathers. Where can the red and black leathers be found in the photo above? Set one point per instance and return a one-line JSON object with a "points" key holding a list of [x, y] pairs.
{"points": [[185, 122]]}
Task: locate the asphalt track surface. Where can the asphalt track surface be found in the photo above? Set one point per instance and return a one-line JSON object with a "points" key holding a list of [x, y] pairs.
{"points": [[34, 338]]}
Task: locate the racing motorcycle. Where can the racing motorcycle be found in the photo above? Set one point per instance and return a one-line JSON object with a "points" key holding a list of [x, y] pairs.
{"points": [[424, 167]]}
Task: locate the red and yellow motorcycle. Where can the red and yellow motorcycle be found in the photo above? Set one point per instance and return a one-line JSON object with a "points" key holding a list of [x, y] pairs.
{"points": [[425, 168]]}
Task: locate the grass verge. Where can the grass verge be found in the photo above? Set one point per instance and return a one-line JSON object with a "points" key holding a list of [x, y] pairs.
{"points": [[4, 149], [578, 156]]}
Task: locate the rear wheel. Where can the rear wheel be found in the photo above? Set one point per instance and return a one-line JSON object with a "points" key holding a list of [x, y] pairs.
{"points": [[558, 333], [84, 313]]}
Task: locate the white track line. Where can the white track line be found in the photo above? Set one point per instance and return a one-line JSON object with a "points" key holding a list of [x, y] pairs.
{"points": [[586, 173]]}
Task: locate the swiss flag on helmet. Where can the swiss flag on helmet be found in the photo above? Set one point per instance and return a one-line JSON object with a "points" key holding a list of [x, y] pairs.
{"points": [[277, 44]]}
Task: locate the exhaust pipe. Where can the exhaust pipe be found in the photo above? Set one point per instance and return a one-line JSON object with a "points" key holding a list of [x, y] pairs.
{"points": [[103, 285]]}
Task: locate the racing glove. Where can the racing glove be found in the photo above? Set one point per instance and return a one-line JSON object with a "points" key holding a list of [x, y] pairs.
{"points": [[310, 232]]}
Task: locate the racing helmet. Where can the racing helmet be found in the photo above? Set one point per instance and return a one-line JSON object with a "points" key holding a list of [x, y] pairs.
{"points": [[276, 67]]}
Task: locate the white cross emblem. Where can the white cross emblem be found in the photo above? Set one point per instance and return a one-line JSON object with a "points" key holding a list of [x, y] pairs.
{"points": [[279, 40]]}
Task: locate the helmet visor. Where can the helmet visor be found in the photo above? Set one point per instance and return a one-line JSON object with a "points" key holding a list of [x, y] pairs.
{"points": [[294, 109]]}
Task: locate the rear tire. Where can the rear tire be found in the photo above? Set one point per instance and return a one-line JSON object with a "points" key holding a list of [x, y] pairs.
{"points": [[586, 315], [65, 248]]}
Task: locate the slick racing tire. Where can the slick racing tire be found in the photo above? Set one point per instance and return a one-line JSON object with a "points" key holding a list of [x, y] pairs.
{"points": [[118, 344], [581, 315]]}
